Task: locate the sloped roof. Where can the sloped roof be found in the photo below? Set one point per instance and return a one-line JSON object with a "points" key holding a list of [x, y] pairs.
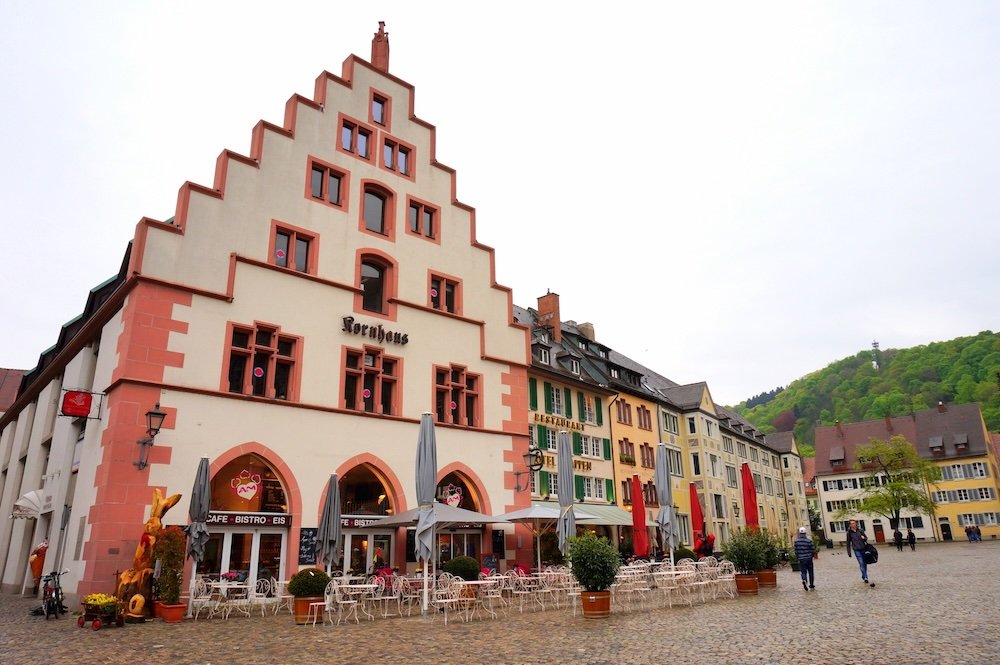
{"points": [[10, 381], [782, 442]]}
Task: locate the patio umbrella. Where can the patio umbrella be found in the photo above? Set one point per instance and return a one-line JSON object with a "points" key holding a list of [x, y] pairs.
{"points": [[197, 531], [566, 525], [540, 518], [445, 517], [640, 539], [665, 518], [328, 534], [750, 513], [426, 481], [697, 514]]}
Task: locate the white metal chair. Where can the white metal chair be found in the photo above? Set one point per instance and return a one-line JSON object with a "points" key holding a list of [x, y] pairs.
{"points": [[281, 595], [262, 594], [202, 598]]}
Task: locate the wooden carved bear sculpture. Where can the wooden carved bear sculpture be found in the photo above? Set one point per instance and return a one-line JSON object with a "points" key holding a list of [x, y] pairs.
{"points": [[135, 585]]}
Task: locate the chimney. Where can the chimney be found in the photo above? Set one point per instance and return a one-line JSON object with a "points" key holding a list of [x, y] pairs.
{"points": [[587, 330], [941, 407], [840, 430], [380, 49], [888, 423], [548, 315]]}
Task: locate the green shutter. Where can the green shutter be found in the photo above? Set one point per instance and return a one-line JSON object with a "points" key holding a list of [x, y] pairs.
{"points": [[607, 448], [568, 395], [600, 411], [547, 387], [581, 403], [609, 489], [533, 394], [577, 444], [578, 481], [542, 441], [543, 483]]}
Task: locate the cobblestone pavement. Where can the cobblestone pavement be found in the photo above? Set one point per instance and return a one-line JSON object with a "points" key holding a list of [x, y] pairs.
{"points": [[936, 605]]}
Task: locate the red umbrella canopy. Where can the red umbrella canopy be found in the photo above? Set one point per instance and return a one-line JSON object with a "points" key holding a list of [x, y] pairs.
{"points": [[697, 514], [751, 516], [640, 539]]}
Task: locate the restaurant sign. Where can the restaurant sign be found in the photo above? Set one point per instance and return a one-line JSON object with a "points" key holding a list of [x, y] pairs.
{"points": [[249, 519]]}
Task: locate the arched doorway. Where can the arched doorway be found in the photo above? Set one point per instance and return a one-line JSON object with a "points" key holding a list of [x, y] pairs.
{"points": [[365, 496], [248, 523], [456, 490]]}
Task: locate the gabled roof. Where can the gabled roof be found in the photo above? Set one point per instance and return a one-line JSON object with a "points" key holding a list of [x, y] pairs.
{"points": [[782, 442], [10, 381], [838, 442]]}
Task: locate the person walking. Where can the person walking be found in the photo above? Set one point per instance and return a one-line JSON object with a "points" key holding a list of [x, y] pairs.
{"points": [[911, 539], [897, 538], [856, 542], [977, 534], [804, 550]]}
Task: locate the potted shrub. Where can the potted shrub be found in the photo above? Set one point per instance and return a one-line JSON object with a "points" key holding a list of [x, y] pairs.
{"points": [[767, 575], [307, 586], [793, 559], [594, 562], [169, 550], [743, 550], [684, 553], [463, 566]]}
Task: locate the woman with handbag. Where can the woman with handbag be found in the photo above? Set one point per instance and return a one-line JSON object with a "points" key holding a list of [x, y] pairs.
{"points": [[857, 541]]}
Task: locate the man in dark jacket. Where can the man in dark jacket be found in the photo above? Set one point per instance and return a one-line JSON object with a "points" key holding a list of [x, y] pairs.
{"points": [[856, 542], [804, 549]]}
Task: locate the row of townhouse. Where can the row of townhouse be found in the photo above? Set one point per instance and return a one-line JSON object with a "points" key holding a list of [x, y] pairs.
{"points": [[294, 320], [618, 411], [952, 437]]}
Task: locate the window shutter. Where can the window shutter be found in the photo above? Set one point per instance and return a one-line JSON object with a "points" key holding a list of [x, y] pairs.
{"points": [[600, 411], [543, 483], [577, 444], [581, 403], [609, 488], [547, 387], [533, 394], [607, 448], [568, 399], [578, 481], [543, 438]]}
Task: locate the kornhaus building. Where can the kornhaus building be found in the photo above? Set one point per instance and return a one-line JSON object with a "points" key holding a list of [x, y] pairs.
{"points": [[952, 437], [291, 320]]}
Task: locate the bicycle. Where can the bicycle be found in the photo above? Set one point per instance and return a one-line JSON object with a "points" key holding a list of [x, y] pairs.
{"points": [[52, 595]]}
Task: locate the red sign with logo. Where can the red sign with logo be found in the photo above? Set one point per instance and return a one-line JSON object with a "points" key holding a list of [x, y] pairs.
{"points": [[77, 403]]}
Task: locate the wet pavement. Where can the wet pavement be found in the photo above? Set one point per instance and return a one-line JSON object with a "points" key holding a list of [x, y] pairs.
{"points": [[939, 604]]}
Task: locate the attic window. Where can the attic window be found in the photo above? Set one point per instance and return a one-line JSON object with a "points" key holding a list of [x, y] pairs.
{"points": [[574, 365], [961, 441], [936, 443], [837, 456], [543, 337], [614, 373], [543, 356]]}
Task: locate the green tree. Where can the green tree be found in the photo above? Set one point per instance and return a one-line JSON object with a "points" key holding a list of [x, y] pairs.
{"points": [[897, 478]]}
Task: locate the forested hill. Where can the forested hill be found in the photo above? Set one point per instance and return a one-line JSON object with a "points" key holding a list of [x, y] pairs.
{"points": [[966, 369]]}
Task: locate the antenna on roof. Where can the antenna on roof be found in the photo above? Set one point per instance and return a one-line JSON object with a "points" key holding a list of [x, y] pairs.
{"points": [[875, 355]]}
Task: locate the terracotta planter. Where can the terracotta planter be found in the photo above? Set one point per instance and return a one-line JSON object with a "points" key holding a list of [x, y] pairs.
{"points": [[595, 604], [768, 577], [172, 613], [301, 608], [746, 584], [156, 609]]}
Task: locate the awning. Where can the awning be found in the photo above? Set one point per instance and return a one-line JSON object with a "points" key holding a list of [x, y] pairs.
{"points": [[603, 515], [28, 506]]}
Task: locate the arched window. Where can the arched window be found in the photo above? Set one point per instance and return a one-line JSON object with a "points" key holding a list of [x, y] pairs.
{"points": [[373, 286], [375, 211]]}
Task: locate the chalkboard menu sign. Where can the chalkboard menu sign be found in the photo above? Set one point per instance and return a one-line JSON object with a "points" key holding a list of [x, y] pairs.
{"points": [[411, 545], [307, 546]]}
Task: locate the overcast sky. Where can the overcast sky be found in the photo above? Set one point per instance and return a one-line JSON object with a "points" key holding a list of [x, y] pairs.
{"points": [[738, 194]]}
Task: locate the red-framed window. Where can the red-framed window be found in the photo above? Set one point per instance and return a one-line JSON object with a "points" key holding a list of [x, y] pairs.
{"points": [[397, 157], [356, 138], [457, 396], [644, 417], [377, 210], [262, 361], [422, 219], [293, 248], [445, 293], [376, 280], [327, 184], [624, 412], [380, 109], [371, 381]]}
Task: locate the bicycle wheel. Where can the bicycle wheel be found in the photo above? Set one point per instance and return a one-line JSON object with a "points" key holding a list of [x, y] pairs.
{"points": [[51, 608]]}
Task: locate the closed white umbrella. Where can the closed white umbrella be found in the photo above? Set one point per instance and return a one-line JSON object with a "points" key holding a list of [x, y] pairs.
{"points": [[328, 533], [665, 518], [197, 530], [426, 482]]}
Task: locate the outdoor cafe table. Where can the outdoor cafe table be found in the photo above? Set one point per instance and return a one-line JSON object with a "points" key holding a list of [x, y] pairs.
{"points": [[230, 595], [479, 586], [361, 593]]}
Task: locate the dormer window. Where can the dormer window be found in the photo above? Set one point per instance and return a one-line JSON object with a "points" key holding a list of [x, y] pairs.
{"points": [[837, 457], [961, 441], [543, 356], [615, 374], [582, 344], [936, 444], [603, 353], [574, 365], [543, 337]]}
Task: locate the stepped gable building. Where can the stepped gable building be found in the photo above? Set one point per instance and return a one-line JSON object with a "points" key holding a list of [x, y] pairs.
{"points": [[954, 437], [291, 320]]}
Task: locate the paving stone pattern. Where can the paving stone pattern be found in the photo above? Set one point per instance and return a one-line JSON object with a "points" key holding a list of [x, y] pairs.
{"points": [[938, 604]]}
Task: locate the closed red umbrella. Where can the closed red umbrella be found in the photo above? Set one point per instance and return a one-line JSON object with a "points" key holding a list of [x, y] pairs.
{"points": [[640, 539], [750, 513], [697, 514]]}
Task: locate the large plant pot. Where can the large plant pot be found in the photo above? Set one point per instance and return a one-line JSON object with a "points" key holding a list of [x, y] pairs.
{"points": [[595, 604], [746, 583], [795, 566], [301, 608], [172, 613], [768, 577]]}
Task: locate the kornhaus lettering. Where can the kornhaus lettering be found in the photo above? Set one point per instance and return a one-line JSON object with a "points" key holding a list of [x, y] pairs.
{"points": [[377, 332]]}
